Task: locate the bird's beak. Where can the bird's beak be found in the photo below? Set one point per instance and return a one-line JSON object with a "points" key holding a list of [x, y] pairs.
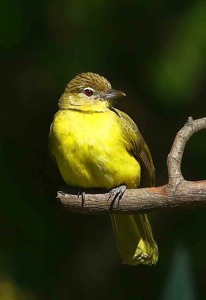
{"points": [[113, 94]]}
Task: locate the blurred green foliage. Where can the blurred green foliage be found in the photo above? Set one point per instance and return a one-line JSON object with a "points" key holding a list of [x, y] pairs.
{"points": [[180, 282], [155, 52]]}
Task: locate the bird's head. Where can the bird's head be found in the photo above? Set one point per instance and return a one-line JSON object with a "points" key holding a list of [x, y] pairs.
{"points": [[89, 92]]}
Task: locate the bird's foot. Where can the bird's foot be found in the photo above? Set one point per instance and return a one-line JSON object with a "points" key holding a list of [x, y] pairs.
{"points": [[83, 195], [116, 194]]}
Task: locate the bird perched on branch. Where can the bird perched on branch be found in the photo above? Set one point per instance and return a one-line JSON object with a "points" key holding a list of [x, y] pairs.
{"points": [[98, 146]]}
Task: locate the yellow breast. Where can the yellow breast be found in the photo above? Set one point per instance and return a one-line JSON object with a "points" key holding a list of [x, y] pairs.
{"points": [[90, 150]]}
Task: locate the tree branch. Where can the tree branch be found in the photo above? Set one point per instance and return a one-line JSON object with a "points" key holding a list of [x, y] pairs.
{"points": [[177, 193]]}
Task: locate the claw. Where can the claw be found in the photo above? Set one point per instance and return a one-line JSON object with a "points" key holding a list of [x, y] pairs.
{"points": [[116, 194], [83, 198], [83, 195]]}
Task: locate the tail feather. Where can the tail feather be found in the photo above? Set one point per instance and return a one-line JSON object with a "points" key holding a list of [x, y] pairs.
{"points": [[134, 239]]}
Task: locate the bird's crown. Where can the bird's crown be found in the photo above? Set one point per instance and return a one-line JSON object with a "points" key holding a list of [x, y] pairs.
{"points": [[90, 80]]}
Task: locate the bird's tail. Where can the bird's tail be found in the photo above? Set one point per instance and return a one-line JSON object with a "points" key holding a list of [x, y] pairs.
{"points": [[134, 239]]}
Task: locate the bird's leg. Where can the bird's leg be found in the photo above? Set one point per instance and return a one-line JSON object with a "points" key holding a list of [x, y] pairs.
{"points": [[116, 194], [83, 194]]}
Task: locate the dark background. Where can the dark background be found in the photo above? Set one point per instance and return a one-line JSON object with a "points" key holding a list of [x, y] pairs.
{"points": [[155, 52]]}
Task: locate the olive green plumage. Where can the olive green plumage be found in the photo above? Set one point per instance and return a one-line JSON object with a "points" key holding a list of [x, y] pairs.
{"points": [[95, 81], [138, 148]]}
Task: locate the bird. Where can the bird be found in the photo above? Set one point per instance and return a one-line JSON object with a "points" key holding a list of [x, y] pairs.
{"points": [[96, 145]]}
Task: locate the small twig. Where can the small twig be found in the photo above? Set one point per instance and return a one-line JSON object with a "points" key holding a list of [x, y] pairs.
{"points": [[177, 193], [175, 157]]}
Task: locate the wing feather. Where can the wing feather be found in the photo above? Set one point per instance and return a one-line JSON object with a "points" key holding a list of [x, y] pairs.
{"points": [[138, 148]]}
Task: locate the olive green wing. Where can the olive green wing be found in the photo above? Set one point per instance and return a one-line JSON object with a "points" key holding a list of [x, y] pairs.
{"points": [[137, 147], [133, 233]]}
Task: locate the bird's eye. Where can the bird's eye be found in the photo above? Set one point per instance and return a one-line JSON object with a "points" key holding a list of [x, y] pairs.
{"points": [[88, 92]]}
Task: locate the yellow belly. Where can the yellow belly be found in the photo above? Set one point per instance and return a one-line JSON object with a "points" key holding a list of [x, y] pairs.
{"points": [[91, 152]]}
